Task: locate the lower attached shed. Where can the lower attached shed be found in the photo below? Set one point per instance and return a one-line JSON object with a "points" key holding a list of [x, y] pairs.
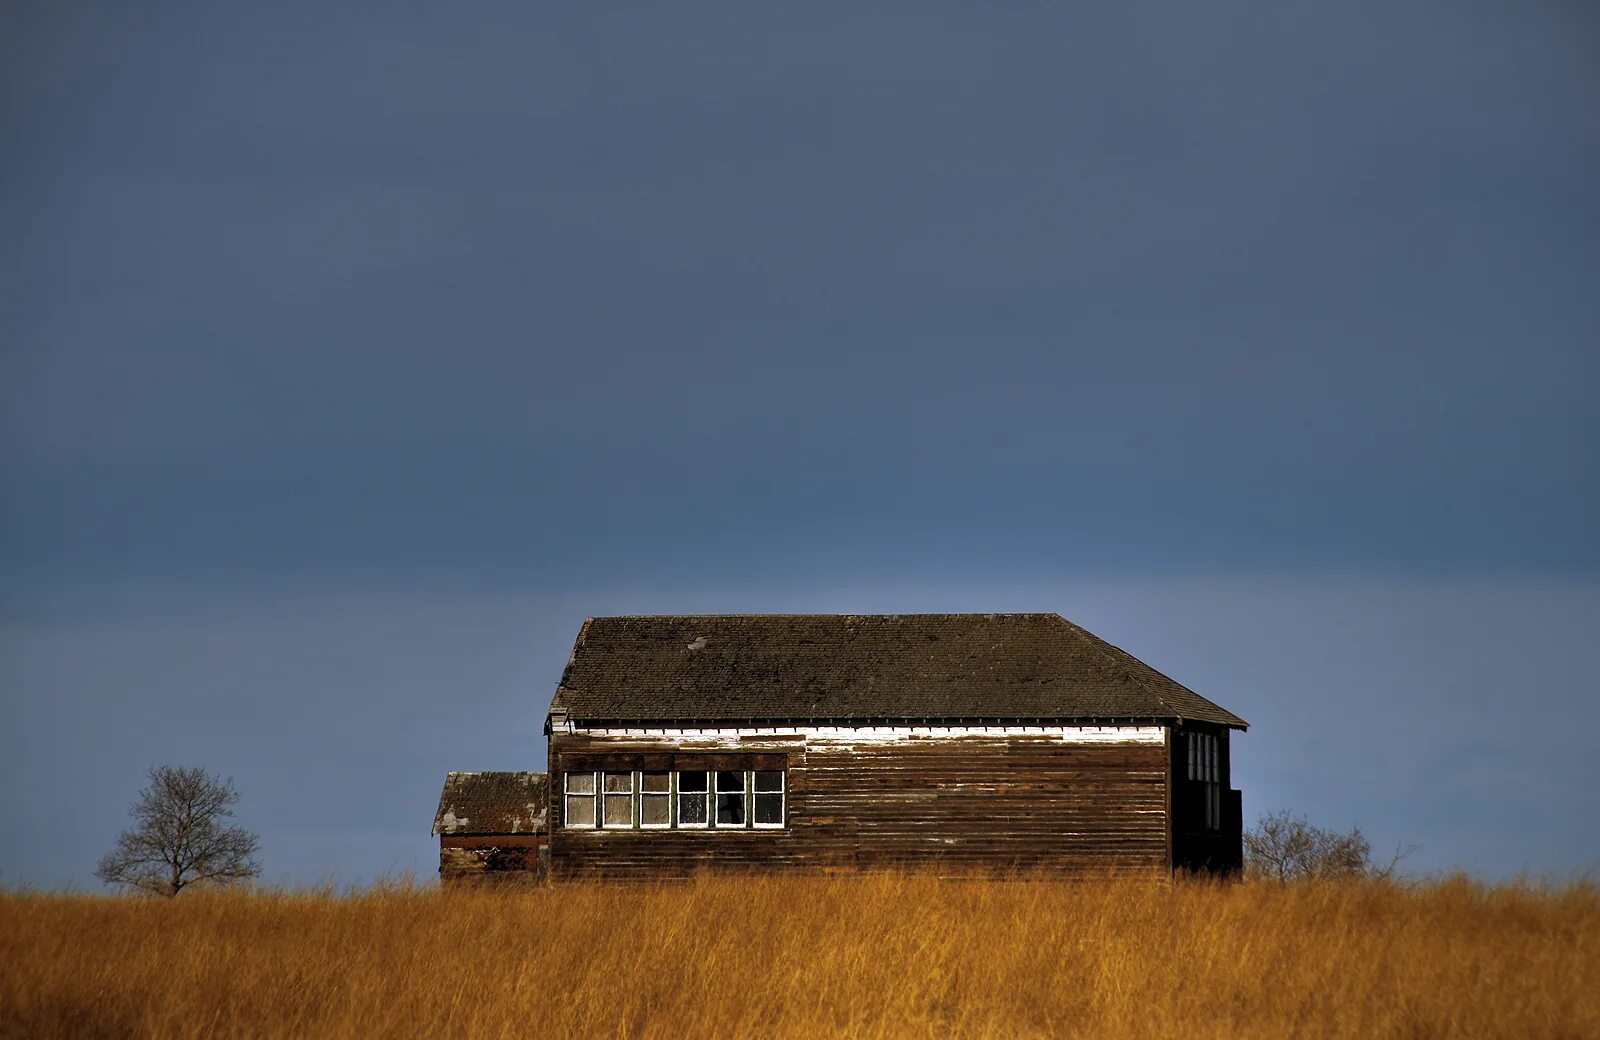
{"points": [[839, 742], [493, 826]]}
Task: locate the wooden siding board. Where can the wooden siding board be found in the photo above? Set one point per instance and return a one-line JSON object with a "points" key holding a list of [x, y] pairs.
{"points": [[492, 857], [996, 802]]}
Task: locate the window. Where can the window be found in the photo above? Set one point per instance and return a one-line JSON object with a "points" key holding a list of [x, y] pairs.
{"points": [[730, 798], [580, 799], [655, 799], [1205, 767], [768, 797], [1203, 757], [692, 799], [619, 800]]}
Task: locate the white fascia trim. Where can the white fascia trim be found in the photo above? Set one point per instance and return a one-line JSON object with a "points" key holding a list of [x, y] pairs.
{"points": [[888, 734]]}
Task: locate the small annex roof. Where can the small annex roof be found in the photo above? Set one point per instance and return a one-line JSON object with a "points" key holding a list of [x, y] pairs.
{"points": [[493, 803], [863, 666]]}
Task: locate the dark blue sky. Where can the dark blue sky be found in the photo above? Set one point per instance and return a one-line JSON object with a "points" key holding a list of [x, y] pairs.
{"points": [[352, 357]]}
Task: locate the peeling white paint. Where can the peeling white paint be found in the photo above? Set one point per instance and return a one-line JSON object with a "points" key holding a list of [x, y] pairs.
{"points": [[718, 736], [449, 823]]}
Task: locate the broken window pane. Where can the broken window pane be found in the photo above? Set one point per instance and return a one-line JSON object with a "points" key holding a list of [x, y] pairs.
{"points": [[580, 809], [730, 799], [655, 810], [769, 780], [655, 782], [580, 783], [619, 810], [692, 799], [769, 810], [622, 782], [692, 810]]}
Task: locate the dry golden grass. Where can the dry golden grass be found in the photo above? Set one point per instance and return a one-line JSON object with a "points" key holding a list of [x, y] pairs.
{"points": [[774, 956]]}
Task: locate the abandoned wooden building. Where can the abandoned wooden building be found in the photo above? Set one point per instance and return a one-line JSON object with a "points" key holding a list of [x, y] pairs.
{"points": [[493, 825], [955, 741]]}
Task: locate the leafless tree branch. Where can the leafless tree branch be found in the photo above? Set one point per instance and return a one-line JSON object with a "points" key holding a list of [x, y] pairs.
{"points": [[1284, 847], [179, 838]]}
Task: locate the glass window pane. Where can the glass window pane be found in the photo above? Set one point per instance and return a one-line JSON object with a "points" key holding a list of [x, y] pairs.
{"points": [[580, 810], [655, 810], [658, 782], [695, 781], [580, 783], [619, 810], [769, 810], [692, 809], [730, 809], [619, 782], [769, 780], [730, 781]]}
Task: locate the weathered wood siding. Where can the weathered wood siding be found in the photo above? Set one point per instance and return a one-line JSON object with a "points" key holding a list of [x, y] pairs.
{"points": [[1036, 798], [492, 857]]}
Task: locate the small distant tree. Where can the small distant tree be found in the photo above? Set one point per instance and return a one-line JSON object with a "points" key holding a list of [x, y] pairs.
{"points": [[1285, 847], [180, 837]]}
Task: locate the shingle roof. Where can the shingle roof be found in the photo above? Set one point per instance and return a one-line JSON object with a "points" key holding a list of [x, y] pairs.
{"points": [[493, 803], [863, 666]]}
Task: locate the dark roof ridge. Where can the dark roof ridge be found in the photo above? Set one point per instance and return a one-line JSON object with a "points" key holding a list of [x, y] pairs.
{"points": [[491, 772], [831, 614]]}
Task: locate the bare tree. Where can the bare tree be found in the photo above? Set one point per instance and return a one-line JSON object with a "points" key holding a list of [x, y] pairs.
{"points": [[1285, 847], [180, 838]]}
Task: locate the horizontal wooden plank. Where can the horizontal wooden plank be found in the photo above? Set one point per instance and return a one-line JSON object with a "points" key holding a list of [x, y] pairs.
{"points": [[975, 802]]}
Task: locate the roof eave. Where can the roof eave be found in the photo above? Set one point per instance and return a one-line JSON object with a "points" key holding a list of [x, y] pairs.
{"points": [[873, 720]]}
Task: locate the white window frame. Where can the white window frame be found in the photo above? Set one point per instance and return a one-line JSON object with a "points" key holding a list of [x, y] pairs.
{"points": [[671, 795], [707, 795], [783, 799], [674, 794], [629, 794], [744, 794], [594, 793]]}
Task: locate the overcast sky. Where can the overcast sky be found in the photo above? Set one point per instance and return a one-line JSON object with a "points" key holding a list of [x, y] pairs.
{"points": [[352, 357]]}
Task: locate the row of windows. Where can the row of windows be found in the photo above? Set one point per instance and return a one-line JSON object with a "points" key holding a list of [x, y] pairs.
{"points": [[659, 800]]}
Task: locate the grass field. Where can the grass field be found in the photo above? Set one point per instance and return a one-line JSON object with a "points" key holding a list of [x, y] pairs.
{"points": [[876, 956]]}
